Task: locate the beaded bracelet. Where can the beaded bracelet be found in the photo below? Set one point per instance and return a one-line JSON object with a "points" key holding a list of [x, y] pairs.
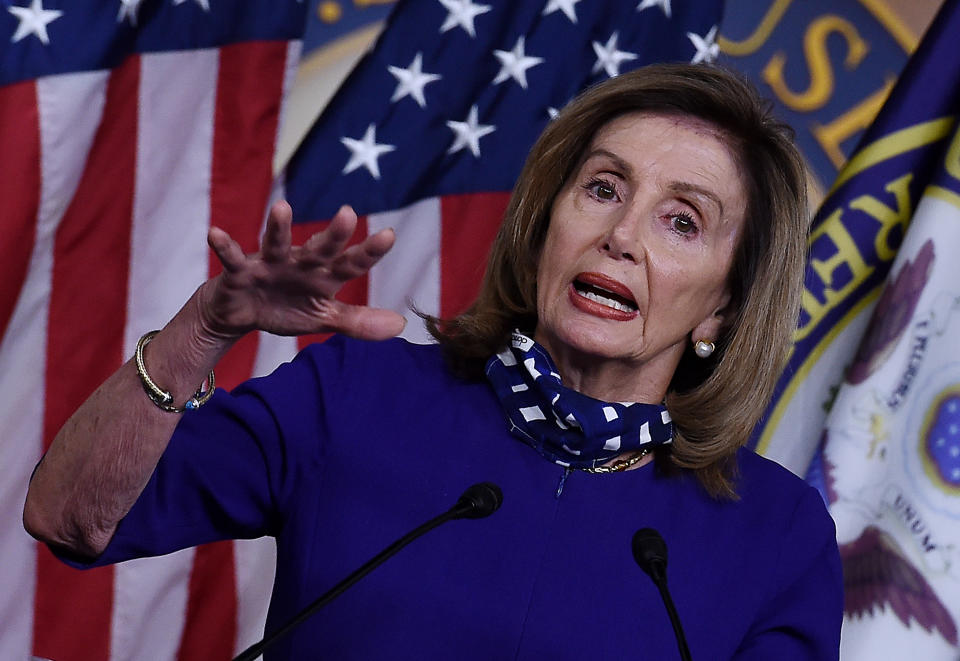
{"points": [[160, 397]]}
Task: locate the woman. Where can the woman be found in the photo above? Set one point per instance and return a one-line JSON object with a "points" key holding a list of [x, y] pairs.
{"points": [[651, 252]]}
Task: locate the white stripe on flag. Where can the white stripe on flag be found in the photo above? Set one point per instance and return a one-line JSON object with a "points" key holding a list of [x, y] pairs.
{"points": [[71, 107], [410, 272], [171, 214], [171, 205], [69, 113], [149, 603], [256, 561]]}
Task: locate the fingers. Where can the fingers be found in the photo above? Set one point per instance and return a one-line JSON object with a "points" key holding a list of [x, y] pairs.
{"points": [[275, 246], [360, 258], [226, 249], [379, 244], [324, 246]]}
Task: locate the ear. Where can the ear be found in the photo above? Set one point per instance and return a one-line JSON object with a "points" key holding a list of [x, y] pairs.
{"points": [[709, 329]]}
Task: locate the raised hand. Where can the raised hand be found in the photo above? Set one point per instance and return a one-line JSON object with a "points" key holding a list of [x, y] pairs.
{"points": [[289, 290]]}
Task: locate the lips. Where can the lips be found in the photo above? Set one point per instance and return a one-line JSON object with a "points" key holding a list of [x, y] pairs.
{"points": [[602, 296]]}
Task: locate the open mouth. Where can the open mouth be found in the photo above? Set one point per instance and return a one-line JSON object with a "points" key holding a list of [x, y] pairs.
{"points": [[594, 292]]}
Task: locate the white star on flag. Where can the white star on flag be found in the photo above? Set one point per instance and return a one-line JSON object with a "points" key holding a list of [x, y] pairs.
{"points": [[33, 20], [514, 64], [412, 80], [204, 4], [468, 133], [129, 9], [365, 152], [707, 48], [566, 6], [462, 13], [609, 58], [663, 4]]}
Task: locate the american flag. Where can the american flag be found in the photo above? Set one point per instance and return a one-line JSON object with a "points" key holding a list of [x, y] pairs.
{"points": [[127, 128], [431, 130]]}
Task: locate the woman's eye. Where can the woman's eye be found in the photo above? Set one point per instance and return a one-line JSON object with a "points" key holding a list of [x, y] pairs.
{"points": [[605, 192], [602, 191], [683, 223]]}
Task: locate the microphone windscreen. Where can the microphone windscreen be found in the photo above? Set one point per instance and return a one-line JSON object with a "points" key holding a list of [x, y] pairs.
{"points": [[479, 500], [650, 551]]}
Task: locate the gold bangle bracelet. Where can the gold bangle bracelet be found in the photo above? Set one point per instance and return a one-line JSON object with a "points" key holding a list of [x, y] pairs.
{"points": [[162, 398]]}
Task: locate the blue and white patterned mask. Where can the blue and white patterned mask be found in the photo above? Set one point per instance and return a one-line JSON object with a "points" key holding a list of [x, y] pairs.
{"points": [[565, 426]]}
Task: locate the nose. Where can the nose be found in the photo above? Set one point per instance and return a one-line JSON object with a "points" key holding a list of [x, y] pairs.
{"points": [[623, 240]]}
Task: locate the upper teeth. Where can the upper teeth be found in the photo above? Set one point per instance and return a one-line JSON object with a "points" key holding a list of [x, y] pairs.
{"points": [[609, 302]]}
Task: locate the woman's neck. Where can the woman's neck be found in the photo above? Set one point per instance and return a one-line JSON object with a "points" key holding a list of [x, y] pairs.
{"points": [[614, 380]]}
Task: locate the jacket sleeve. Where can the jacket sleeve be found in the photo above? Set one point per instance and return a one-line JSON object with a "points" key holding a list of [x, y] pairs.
{"points": [[231, 467], [801, 618]]}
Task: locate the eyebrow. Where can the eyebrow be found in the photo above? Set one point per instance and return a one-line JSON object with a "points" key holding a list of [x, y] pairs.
{"points": [[617, 161], [686, 187], [676, 187]]}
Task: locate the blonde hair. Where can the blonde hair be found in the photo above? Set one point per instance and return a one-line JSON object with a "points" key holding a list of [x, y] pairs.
{"points": [[715, 403]]}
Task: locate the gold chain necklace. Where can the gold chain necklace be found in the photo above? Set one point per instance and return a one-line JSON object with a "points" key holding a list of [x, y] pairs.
{"points": [[619, 464]]}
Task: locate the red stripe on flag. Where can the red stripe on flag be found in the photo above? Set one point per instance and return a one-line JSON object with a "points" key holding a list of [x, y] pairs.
{"points": [[84, 344], [249, 93], [469, 224], [355, 291], [210, 629], [19, 190]]}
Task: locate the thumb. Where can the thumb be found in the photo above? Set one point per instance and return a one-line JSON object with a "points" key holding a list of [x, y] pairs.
{"points": [[363, 322]]}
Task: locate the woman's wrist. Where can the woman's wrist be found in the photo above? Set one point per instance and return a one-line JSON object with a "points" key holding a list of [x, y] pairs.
{"points": [[213, 328], [181, 356]]}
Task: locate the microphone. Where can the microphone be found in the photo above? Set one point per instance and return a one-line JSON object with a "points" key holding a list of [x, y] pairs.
{"points": [[478, 501], [650, 552]]}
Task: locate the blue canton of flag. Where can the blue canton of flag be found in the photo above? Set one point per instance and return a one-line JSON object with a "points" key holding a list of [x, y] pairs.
{"points": [[50, 37], [456, 91]]}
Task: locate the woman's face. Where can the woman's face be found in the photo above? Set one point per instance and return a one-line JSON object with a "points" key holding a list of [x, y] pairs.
{"points": [[640, 243]]}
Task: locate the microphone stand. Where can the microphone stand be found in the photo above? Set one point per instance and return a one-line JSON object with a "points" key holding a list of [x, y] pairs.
{"points": [[472, 505], [674, 619], [650, 552]]}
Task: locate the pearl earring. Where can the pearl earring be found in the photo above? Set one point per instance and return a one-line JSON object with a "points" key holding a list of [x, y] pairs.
{"points": [[703, 348]]}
